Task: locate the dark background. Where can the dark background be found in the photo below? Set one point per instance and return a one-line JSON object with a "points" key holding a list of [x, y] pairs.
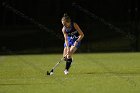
{"points": [[34, 26]]}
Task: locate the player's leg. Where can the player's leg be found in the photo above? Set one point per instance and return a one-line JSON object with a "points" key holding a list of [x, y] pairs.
{"points": [[69, 59], [64, 53], [73, 50], [69, 56]]}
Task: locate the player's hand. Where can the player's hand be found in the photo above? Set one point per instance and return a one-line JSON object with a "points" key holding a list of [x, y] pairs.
{"points": [[65, 58]]}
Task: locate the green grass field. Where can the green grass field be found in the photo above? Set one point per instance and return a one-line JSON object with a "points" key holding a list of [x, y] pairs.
{"points": [[90, 73]]}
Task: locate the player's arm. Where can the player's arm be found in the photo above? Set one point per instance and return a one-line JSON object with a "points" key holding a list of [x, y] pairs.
{"points": [[66, 39], [81, 34]]}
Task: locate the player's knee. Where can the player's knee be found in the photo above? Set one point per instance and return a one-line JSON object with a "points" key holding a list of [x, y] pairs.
{"points": [[69, 56]]}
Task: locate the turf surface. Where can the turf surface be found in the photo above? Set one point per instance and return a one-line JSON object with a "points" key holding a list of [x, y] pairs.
{"points": [[90, 73]]}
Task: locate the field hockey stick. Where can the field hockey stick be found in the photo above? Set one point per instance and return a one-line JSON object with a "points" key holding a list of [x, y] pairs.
{"points": [[52, 70]]}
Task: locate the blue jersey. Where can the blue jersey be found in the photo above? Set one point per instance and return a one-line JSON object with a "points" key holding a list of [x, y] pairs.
{"points": [[72, 35], [71, 32]]}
